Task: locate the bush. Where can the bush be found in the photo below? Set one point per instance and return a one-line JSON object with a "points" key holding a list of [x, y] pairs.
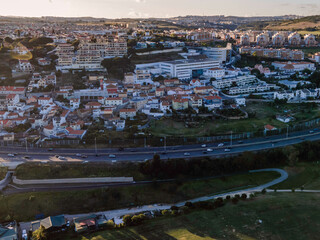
{"points": [[293, 190], [174, 208], [252, 195], [165, 212], [127, 220], [189, 204], [264, 191], [244, 196], [235, 200], [228, 197], [237, 196]]}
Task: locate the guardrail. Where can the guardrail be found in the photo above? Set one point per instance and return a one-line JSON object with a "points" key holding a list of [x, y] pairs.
{"points": [[72, 180]]}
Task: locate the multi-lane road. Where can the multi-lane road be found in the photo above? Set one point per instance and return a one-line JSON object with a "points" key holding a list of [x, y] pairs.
{"points": [[141, 154]]}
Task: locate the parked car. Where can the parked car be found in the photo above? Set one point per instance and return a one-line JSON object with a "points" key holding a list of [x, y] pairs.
{"points": [[50, 149], [78, 155], [227, 150], [62, 158], [26, 157], [220, 145], [203, 145], [84, 156], [209, 150], [10, 155], [186, 154], [112, 156], [24, 234]]}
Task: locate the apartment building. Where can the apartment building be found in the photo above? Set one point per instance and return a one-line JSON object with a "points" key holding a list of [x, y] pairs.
{"points": [[238, 81], [283, 53]]}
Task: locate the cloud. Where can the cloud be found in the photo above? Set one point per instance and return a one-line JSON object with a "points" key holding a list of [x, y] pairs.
{"points": [[140, 1], [132, 13]]}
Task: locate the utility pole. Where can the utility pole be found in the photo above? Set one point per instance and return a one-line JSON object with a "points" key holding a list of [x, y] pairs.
{"points": [[26, 144], [95, 146]]}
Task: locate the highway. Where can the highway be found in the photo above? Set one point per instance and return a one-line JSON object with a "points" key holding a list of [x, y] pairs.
{"points": [[170, 152]]}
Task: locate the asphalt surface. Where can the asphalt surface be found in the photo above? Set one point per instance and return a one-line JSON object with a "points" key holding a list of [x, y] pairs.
{"points": [[170, 152]]}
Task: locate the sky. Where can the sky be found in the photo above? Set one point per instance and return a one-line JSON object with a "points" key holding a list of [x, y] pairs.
{"points": [[157, 8]]}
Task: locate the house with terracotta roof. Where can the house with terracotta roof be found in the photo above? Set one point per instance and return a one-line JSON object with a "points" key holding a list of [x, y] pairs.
{"points": [[180, 104], [75, 133], [268, 128], [127, 113], [212, 102], [92, 105]]}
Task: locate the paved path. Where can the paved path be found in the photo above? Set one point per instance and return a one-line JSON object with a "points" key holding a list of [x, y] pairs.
{"points": [[6, 180], [117, 214]]}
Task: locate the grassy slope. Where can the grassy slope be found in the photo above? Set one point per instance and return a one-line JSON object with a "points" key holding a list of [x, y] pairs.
{"points": [[3, 172], [77, 170], [265, 114], [26, 206], [304, 174], [284, 216]]}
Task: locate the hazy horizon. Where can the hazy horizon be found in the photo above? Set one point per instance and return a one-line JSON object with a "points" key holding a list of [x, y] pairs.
{"points": [[157, 9]]}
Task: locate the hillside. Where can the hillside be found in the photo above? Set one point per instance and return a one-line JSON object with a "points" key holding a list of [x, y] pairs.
{"points": [[310, 23]]}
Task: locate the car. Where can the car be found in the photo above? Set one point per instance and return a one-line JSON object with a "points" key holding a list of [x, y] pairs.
{"points": [[209, 150], [146, 160], [311, 131], [78, 154], [10, 155], [57, 156], [62, 158], [163, 153], [26, 157], [227, 150], [205, 152], [50, 149], [220, 145], [240, 142], [112, 156], [44, 161], [186, 154], [24, 234], [85, 162], [203, 145], [84, 156], [114, 161]]}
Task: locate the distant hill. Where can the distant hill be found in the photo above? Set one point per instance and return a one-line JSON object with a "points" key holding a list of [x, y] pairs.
{"points": [[310, 23]]}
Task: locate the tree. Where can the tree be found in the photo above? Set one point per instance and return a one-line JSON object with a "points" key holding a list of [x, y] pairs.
{"points": [[39, 234], [127, 220]]}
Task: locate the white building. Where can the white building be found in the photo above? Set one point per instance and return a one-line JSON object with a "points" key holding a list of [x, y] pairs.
{"points": [[216, 73], [218, 54]]}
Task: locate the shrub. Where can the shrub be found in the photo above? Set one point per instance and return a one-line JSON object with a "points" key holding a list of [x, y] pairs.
{"points": [[165, 212], [127, 219], [235, 200], [228, 197], [189, 204], [174, 208], [264, 191], [244, 196], [293, 190], [237, 196]]}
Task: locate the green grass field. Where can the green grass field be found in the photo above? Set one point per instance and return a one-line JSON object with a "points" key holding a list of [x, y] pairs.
{"points": [[293, 216], [3, 172], [77, 170], [22, 207], [265, 114], [303, 174]]}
